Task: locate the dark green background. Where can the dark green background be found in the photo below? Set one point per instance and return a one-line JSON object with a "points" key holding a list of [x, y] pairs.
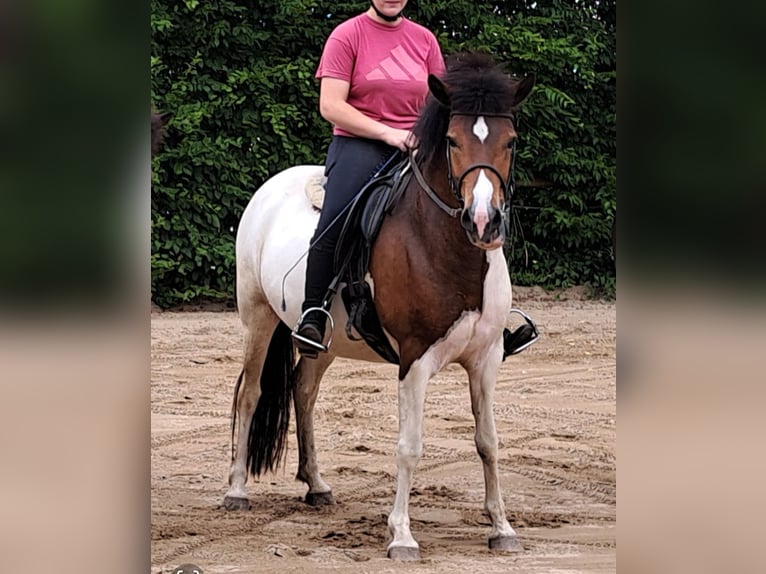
{"points": [[239, 77]]}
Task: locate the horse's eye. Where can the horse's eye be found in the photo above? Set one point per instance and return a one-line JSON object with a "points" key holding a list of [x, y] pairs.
{"points": [[451, 142], [510, 143]]}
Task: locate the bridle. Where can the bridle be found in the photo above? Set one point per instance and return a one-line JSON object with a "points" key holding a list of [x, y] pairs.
{"points": [[508, 183]]}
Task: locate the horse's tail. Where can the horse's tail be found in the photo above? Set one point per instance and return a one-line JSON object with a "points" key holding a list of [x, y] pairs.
{"points": [[234, 410], [268, 429]]}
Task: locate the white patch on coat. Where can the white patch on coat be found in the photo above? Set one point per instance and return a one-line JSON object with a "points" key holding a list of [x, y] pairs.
{"points": [[476, 333], [482, 196], [480, 129]]}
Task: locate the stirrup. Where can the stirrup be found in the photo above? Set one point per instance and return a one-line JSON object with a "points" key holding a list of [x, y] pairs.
{"points": [[532, 334], [308, 347]]}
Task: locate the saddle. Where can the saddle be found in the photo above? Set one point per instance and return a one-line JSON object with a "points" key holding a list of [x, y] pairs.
{"points": [[354, 248]]}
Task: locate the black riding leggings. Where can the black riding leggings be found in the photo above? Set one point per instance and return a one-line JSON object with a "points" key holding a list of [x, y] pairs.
{"points": [[350, 164]]}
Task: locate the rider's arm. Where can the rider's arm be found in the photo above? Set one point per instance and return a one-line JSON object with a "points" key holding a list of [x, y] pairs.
{"points": [[334, 107]]}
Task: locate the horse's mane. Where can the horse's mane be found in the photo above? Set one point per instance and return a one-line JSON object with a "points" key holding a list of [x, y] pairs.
{"points": [[476, 84]]}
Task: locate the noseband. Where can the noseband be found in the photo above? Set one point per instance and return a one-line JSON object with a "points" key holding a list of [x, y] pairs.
{"points": [[508, 183]]}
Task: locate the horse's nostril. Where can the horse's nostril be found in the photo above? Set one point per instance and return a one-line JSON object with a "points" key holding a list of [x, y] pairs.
{"points": [[466, 221]]}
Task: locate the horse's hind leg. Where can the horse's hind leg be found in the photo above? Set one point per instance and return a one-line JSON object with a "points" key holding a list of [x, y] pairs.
{"points": [[482, 375], [308, 375], [260, 326]]}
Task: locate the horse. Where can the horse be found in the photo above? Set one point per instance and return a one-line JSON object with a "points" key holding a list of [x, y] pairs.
{"points": [[441, 290]]}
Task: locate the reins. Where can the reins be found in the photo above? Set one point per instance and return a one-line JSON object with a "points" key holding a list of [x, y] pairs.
{"points": [[451, 211]]}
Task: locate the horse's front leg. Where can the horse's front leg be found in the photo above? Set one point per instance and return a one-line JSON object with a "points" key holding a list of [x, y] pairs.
{"points": [[308, 375], [482, 374], [412, 392]]}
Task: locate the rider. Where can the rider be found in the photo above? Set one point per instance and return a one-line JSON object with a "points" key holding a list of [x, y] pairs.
{"points": [[373, 70]]}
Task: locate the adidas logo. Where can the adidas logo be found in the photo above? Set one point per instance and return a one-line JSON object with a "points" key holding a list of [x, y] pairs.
{"points": [[398, 66]]}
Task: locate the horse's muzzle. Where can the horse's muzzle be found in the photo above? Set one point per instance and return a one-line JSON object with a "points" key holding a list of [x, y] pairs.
{"points": [[484, 228]]}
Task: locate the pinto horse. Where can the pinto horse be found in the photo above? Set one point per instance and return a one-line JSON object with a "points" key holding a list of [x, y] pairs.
{"points": [[441, 290]]}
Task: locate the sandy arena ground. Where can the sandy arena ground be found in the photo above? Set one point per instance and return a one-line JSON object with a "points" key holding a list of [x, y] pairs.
{"points": [[555, 414]]}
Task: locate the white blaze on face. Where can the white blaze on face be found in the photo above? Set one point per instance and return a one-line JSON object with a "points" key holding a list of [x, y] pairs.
{"points": [[482, 195], [480, 129]]}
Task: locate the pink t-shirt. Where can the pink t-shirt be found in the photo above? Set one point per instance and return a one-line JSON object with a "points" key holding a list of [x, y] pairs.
{"points": [[387, 68]]}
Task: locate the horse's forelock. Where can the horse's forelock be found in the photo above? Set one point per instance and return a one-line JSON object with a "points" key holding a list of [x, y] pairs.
{"points": [[478, 85]]}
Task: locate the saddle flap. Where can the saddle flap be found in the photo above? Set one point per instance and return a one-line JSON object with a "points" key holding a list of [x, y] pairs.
{"points": [[382, 198], [368, 210], [374, 211]]}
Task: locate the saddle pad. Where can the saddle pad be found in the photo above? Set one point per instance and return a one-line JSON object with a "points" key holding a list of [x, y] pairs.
{"points": [[315, 191]]}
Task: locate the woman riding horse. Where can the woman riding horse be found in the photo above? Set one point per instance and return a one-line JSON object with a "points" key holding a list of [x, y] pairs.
{"points": [[373, 73], [441, 290]]}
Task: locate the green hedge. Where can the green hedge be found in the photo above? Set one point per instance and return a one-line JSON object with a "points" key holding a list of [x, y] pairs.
{"points": [[239, 77]]}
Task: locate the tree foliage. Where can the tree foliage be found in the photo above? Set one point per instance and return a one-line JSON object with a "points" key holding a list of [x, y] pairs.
{"points": [[239, 77]]}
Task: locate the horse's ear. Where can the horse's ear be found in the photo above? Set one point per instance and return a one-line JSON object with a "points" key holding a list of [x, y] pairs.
{"points": [[523, 88], [439, 90]]}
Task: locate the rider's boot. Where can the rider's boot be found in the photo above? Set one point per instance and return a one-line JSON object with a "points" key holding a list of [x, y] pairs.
{"points": [[309, 333]]}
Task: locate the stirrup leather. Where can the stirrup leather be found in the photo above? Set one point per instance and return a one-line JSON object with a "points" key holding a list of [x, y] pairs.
{"points": [[310, 344]]}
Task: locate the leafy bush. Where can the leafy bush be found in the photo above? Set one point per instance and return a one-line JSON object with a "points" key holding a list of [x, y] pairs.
{"points": [[239, 77]]}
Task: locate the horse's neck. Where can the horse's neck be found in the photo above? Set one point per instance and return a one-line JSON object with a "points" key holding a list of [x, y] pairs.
{"points": [[435, 229]]}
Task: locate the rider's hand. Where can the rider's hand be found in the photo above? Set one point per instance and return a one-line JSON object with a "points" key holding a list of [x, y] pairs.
{"points": [[401, 139]]}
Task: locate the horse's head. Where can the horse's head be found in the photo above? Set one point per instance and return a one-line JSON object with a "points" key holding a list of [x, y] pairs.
{"points": [[479, 141]]}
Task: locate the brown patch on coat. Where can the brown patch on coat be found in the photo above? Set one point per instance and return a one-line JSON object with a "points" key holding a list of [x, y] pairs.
{"points": [[425, 271]]}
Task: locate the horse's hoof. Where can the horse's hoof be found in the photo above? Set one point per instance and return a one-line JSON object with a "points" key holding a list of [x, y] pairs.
{"points": [[404, 553], [320, 498], [506, 544], [233, 503]]}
